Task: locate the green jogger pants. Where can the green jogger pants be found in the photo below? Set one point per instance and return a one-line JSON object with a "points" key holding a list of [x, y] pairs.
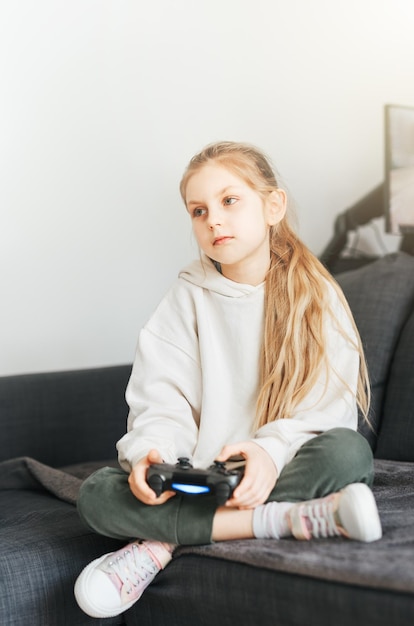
{"points": [[325, 464]]}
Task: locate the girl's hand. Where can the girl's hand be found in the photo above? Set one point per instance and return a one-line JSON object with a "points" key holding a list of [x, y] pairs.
{"points": [[260, 475], [138, 481]]}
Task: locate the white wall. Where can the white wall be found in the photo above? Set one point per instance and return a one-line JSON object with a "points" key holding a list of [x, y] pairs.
{"points": [[103, 102]]}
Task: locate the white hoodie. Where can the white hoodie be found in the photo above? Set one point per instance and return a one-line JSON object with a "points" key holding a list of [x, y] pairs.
{"points": [[195, 378]]}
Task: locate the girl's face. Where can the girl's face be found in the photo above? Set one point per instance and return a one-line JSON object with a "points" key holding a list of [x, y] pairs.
{"points": [[231, 221]]}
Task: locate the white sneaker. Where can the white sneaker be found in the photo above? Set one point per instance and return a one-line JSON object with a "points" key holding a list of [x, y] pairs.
{"points": [[352, 513], [112, 583]]}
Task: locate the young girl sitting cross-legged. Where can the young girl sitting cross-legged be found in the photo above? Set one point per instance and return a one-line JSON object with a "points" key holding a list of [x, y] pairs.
{"points": [[254, 353]]}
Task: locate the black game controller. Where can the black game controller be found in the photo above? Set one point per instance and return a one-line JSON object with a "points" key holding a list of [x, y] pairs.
{"points": [[217, 480]]}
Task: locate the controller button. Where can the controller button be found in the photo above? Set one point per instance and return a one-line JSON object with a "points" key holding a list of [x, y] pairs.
{"points": [[184, 462], [221, 465]]}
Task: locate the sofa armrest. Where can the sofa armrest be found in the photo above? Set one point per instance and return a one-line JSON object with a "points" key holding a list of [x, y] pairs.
{"points": [[381, 297], [61, 418]]}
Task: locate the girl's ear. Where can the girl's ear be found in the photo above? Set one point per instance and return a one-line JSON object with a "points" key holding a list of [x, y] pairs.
{"points": [[276, 204]]}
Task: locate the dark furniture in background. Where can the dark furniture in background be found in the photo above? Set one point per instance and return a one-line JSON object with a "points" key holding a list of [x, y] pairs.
{"points": [[335, 255]]}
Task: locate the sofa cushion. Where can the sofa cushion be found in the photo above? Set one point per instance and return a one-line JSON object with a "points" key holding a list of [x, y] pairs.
{"points": [[44, 546], [62, 418], [325, 582], [381, 296], [396, 436], [196, 591]]}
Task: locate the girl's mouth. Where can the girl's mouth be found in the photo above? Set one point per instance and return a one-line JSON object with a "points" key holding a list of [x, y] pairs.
{"points": [[219, 241]]}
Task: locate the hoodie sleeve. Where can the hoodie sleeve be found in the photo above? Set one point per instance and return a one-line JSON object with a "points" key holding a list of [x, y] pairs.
{"points": [[331, 402], [163, 392]]}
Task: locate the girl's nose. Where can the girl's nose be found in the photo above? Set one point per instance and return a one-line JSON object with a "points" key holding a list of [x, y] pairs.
{"points": [[214, 219]]}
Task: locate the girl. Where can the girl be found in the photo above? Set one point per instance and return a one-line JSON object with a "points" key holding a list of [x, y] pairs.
{"points": [[253, 352]]}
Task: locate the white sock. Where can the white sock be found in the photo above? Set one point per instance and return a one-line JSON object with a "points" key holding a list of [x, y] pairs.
{"points": [[270, 520]]}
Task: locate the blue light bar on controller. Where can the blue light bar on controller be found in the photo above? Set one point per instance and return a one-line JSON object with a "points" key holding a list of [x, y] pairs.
{"points": [[193, 489]]}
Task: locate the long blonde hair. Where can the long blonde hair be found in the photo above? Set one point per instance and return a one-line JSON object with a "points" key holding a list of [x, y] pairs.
{"points": [[293, 354]]}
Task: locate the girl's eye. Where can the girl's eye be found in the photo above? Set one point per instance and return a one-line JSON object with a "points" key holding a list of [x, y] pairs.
{"points": [[198, 212], [229, 201]]}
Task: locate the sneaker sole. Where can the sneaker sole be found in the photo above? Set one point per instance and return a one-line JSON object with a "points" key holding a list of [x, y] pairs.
{"points": [[81, 595], [364, 523]]}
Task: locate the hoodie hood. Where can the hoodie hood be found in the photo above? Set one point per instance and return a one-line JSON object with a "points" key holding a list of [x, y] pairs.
{"points": [[204, 273]]}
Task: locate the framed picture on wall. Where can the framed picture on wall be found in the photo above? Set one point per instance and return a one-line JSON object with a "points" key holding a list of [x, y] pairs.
{"points": [[399, 169]]}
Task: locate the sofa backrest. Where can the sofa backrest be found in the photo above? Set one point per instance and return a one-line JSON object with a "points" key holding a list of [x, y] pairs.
{"points": [[396, 436], [61, 418], [381, 297]]}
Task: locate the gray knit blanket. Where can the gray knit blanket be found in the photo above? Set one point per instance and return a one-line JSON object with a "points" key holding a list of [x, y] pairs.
{"points": [[388, 563]]}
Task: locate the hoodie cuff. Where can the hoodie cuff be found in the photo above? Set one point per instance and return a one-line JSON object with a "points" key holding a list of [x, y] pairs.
{"points": [[276, 449]]}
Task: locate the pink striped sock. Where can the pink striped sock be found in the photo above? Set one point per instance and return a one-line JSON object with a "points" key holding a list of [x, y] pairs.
{"points": [[270, 520]]}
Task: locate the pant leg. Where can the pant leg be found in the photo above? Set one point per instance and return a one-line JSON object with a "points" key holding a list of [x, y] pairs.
{"points": [[324, 465], [107, 505]]}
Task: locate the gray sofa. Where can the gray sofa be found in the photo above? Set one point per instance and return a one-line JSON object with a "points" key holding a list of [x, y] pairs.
{"points": [[71, 420]]}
